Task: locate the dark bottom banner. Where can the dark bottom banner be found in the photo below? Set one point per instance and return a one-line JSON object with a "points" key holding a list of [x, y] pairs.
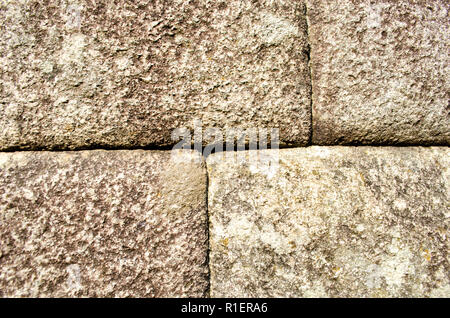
{"points": [[213, 307]]}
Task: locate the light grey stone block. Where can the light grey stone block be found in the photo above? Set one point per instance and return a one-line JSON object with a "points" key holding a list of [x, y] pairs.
{"points": [[380, 71], [331, 222], [121, 74]]}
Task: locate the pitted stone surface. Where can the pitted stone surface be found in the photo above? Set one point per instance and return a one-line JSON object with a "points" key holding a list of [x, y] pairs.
{"points": [[331, 222], [84, 74], [380, 71], [102, 224]]}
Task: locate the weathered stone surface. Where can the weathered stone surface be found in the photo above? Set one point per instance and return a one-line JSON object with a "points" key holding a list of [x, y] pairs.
{"points": [[380, 71], [332, 221], [102, 223], [76, 74]]}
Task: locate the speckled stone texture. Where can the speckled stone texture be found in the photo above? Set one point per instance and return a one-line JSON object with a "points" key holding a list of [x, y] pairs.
{"points": [[380, 71], [331, 222], [102, 224], [84, 74]]}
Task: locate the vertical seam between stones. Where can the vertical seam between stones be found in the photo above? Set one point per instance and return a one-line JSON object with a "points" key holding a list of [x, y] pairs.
{"points": [[309, 48], [208, 251]]}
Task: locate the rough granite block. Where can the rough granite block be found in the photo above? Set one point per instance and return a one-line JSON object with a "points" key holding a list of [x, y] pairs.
{"points": [[331, 222], [102, 224], [85, 74], [380, 71]]}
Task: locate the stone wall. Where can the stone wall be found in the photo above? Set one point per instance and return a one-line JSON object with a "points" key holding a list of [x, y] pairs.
{"points": [[94, 96]]}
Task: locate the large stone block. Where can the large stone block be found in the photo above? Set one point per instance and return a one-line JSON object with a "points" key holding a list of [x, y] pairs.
{"points": [[380, 71], [102, 224], [331, 222], [77, 74]]}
